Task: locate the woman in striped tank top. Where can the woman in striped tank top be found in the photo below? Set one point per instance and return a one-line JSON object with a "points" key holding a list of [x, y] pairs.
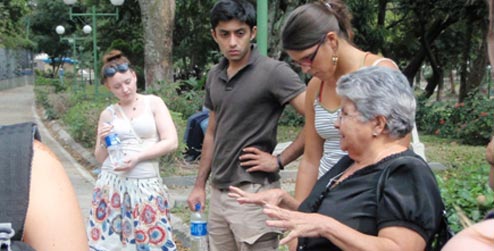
{"points": [[318, 38]]}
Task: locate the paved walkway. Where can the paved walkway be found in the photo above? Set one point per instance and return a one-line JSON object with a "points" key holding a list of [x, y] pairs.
{"points": [[16, 106]]}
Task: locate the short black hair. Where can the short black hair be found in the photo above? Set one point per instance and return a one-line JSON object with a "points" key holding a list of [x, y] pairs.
{"points": [[226, 10]]}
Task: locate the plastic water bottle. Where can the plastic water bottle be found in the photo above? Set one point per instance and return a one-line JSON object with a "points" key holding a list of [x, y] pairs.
{"points": [[198, 230], [114, 148]]}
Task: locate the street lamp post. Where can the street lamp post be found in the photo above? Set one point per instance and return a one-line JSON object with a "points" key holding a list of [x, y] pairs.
{"points": [[73, 41], [93, 14]]}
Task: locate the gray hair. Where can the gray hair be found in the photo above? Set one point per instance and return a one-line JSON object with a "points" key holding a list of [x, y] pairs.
{"points": [[380, 91]]}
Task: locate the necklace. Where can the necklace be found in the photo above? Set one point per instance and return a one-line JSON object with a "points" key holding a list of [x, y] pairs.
{"points": [[135, 104], [335, 180], [134, 108], [388, 151]]}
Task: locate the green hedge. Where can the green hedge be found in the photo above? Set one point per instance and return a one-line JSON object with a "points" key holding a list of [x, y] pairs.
{"points": [[470, 122]]}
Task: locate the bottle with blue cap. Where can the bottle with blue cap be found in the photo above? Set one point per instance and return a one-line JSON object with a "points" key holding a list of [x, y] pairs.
{"points": [[114, 147], [198, 230]]}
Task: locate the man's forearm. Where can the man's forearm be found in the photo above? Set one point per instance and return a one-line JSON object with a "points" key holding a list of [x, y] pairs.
{"points": [[294, 150], [205, 162]]}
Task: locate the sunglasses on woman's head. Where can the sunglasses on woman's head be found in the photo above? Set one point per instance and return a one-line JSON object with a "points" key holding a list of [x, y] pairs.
{"points": [[110, 71]]}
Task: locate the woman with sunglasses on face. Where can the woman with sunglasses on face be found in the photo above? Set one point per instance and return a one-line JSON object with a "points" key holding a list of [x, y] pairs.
{"points": [[129, 208], [318, 38]]}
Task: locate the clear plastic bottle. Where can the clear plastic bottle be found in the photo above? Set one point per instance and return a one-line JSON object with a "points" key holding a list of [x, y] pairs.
{"points": [[198, 230], [114, 147]]}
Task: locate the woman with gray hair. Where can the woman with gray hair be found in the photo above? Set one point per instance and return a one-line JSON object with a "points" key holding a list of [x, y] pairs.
{"points": [[381, 196]]}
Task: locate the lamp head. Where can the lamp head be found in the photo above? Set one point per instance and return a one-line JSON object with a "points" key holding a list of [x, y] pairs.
{"points": [[117, 2], [60, 30], [87, 29], [69, 2]]}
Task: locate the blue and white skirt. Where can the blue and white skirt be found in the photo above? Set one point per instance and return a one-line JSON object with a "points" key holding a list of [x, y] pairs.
{"points": [[129, 214]]}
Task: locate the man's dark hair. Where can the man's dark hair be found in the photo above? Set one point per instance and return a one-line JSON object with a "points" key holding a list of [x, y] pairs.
{"points": [[226, 10]]}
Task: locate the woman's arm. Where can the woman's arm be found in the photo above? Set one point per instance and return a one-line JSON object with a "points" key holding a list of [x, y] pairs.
{"points": [[53, 220], [477, 237], [489, 156], [317, 225], [166, 129], [104, 128], [308, 169]]}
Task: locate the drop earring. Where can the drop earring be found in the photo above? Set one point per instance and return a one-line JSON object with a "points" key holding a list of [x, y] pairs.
{"points": [[334, 59]]}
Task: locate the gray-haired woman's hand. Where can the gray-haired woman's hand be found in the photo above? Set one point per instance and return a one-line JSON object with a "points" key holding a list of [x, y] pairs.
{"points": [[272, 196], [299, 224]]}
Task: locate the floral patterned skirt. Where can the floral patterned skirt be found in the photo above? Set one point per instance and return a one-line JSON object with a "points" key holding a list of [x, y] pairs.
{"points": [[129, 214]]}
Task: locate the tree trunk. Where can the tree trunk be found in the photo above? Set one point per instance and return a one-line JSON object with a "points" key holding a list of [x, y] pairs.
{"points": [[431, 34], [490, 32], [437, 70], [158, 21], [452, 82], [477, 69], [466, 64]]}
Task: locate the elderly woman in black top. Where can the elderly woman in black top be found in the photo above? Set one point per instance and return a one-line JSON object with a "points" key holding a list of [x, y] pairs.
{"points": [[381, 196]]}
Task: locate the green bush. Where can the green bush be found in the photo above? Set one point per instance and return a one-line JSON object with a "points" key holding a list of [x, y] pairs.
{"points": [[465, 181], [81, 121], [470, 122], [183, 102], [468, 189], [290, 117], [166, 162], [42, 93]]}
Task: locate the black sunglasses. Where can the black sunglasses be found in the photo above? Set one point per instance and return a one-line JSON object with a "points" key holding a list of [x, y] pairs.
{"points": [[110, 71]]}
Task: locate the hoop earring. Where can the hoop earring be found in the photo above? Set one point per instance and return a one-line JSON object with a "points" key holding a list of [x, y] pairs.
{"points": [[334, 59]]}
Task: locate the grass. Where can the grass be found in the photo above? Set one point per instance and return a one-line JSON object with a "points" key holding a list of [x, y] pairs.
{"points": [[451, 154], [287, 133]]}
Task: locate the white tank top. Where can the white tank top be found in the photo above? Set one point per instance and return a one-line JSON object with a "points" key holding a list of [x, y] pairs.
{"points": [[144, 126]]}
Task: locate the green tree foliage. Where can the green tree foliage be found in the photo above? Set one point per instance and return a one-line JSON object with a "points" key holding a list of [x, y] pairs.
{"points": [[445, 34], [193, 45], [13, 24], [45, 18]]}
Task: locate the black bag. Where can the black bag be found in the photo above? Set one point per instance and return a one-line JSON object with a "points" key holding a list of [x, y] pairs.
{"points": [[16, 153], [444, 233], [195, 136], [441, 236]]}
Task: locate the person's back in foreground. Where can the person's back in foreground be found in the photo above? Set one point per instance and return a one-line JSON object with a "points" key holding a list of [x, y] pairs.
{"points": [[53, 221], [246, 94]]}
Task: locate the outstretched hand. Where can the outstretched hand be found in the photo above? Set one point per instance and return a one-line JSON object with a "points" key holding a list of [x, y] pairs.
{"points": [[271, 196], [257, 160], [299, 224]]}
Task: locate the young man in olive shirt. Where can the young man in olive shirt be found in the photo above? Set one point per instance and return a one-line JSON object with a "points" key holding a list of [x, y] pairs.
{"points": [[246, 94]]}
